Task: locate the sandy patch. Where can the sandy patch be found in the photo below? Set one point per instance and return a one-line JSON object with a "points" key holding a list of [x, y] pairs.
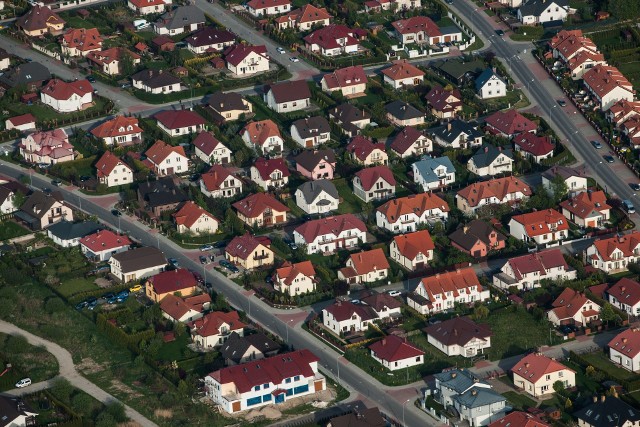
{"points": [[88, 366], [163, 413], [123, 388]]}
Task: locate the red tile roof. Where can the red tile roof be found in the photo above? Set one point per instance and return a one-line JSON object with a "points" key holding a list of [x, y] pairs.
{"points": [[570, 302], [260, 131], [542, 222], [498, 188], [254, 205], [243, 246], [361, 147], [405, 139], [335, 225], [83, 39], [369, 176], [583, 57], [393, 348], [624, 109], [179, 119], [343, 310], [519, 419], [417, 204], [176, 307], [327, 37], [189, 213], [61, 90], [22, 120], [345, 77], [510, 122], [266, 167], [104, 240], [206, 142], [107, 163], [412, 244], [627, 342], [602, 79], [236, 53], [458, 331], [574, 43], [457, 282], [626, 244], [369, 261], [263, 4], [172, 281], [563, 35], [534, 366], [626, 291], [288, 272], [444, 100], [539, 261], [417, 24], [108, 56], [161, 150], [118, 126], [146, 3], [307, 13], [401, 69], [211, 323], [214, 177], [585, 203], [535, 145]]}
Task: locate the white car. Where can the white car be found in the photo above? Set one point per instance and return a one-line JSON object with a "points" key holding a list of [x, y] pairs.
{"points": [[294, 59], [25, 382], [280, 50], [395, 293]]}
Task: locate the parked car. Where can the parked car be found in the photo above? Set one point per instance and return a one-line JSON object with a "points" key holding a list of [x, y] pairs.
{"points": [[56, 182], [205, 248], [608, 159], [628, 206], [280, 50], [81, 305], [174, 262], [204, 259], [25, 382], [562, 103], [91, 79], [356, 301], [125, 85], [221, 244], [500, 33], [108, 296], [269, 279], [135, 288], [596, 144], [294, 59], [635, 186], [116, 212], [229, 266], [395, 293]]}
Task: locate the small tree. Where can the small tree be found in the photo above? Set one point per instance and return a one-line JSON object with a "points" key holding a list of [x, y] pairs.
{"points": [[558, 387], [607, 314], [480, 312], [19, 199], [568, 404]]}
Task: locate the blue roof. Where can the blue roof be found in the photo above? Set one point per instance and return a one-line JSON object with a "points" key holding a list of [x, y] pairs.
{"points": [[484, 77], [458, 380], [477, 397], [425, 167]]}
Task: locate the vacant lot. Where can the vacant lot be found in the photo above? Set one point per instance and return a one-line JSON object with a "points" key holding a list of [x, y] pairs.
{"points": [[11, 229], [26, 360]]}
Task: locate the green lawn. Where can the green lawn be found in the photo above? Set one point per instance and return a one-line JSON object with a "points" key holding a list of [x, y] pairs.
{"points": [[601, 362], [45, 113], [175, 350], [70, 287], [295, 209], [10, 229], [26, 361], [350, 202], [519, 401]]}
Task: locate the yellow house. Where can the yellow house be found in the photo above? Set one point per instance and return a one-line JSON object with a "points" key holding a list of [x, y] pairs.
{"points": [[40, 20], [180, 281], [261, 210], [250, 252]]}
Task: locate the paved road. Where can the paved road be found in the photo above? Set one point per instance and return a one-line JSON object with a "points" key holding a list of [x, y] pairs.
{"points": [[68, 371]]}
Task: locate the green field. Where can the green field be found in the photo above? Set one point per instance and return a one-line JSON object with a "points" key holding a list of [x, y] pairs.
{"points": [[10, 229], [26, 360]]}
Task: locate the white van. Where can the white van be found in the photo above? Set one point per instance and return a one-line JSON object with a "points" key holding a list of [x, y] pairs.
{"points": [[25, 382], [141, 24]]}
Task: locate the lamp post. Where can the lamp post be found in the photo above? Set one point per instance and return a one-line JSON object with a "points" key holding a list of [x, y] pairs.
{"points": [[287, 325], [403, 405]]}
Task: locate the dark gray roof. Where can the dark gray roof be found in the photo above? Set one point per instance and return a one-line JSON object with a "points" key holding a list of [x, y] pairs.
{"points": [[312, 126], [457, 68], [38, 203], [162, 192], [155, 78], [236, 346], [65, 230], [181, 17], [403, 111], [312, 189], [347, 113], [11, 408], [221, 101], [368, 418], [488, 153], [467, 235], [140, 258], [209, 36], [310, 159], [458, 380], [536, 7], [454, 128], [485, 76], [24, 74], [478, 397], [610, 412]]}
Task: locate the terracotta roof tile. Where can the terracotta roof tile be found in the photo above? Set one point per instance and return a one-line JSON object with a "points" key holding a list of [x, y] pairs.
{"points": [[369, 261], [107, 163], [288, 272], [254, 205], [369, 176], [510, 122], [393, 348], [189, 213], [330, 225], [626, 291], [401, 69], [104, 240], [542, 222], [173, 281], [498, 188], [417, 204], [267, 166], [412, 244], [534, 366], [260, 132], [627, 342], [118, 126], [345, 77], [61, 90], [215, 176], [417, 24], [179, 119], [159, 151], [362, 147]]}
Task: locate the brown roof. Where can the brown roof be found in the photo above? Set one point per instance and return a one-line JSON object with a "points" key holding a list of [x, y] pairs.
{"points": [[401, 69], [498, 188], [189, 213], [458, 331], [361, 147], [254, 205], [288, 272], [368, 418], [510, 122], [118, 126], [260, 131], [468, 235], [443, 100], [343, 310], [108, 163], [627, 342], [345, 77], [405, 139], [206, 142], [161, 150], [379, 301], [417, 24], [394, 209], [243, 246], [412, 244], [393, 348], [38, 17], [214, 177], [330, 225], [266, 167], [292, 90], [310, 159]]}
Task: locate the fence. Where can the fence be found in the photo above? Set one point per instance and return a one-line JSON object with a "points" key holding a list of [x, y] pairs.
{"points": [[55, 55]]}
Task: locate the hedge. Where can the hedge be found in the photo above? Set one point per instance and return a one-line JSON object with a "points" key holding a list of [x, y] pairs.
{"points": [[119, 336]]}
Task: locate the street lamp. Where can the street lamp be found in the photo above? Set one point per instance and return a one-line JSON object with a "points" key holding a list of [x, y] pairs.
{"points": [[287, 325], [407, 401], [529, 81]]}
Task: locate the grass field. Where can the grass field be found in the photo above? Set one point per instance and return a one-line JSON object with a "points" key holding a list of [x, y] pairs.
{"points": [[26, 361], [76, 285], [519, 401], [350, 203], [601, 362], [10, 229]]}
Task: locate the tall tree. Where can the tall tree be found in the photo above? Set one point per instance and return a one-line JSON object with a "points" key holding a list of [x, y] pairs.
{"points": [[625, 9]]}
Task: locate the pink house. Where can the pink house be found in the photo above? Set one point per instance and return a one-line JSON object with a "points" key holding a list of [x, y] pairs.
{"points": [[316, 164]]}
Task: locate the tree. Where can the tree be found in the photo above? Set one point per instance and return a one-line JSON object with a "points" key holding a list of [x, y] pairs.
{"points": [[558, 387], [558, 188], [625, 9], [127, 66], [19, 199], [607, 314], [62, 389], [480, 312], [568, 404]]}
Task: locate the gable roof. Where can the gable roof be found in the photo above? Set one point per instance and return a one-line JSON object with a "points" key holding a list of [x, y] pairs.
{"points": [[478, 397], [602, 79], [414, 204], [411, 244], [145, 3], [209, 36], [367, 261], [393, 348], [310, 159], [206, 142], [312, 189], [226, 101], [570, 302], [189, 213], [452, 131], [624, 243], [161, 192], [139, 259], [235, 347], [497, 188], [417, 24], [290, 90], [118, 126], [469, 234], [402, 110], [335, 225], [307, 13], [160, 150], [259, 132], [510, 122], [369, 176], [427, 166], [327, 37], [211, 323], [65, 230], [361, 147], [38, 18], [437, 97], [586, 204], [488, 153], [536, 7], [402, 69], [367, 418], [173, 281], [347, 114], [83, 39], [288, 272], [263, 4], [458, 380], [533, 144], [311, 126], [564, 171], [345, 77], [534, 366], [626, 291], [457, 69], [107, 163], [176, 307], [343, 310], [458, 331], [243, 246], [608, 411], [236, 53], [519, 419], [542, 222], [405, 139], [453, 281], [627, 342], [156, 79], [22, 119], [539, 261], [61, 90], [266, 167], [378, 301], [38, 203], [111, 55], [23, 74], [255, 204], [485, 76], [179, 119], [215, 176], [181, 17]]}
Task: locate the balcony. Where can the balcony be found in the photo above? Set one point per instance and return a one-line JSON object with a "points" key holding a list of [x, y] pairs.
{"points": [[260, 257]]}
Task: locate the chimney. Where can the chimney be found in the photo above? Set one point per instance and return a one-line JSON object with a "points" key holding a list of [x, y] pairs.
{"points": [[465, 229], [603, 398], [384, 341], [486, 149], [595, 399], [455, 374], [449, 126]]}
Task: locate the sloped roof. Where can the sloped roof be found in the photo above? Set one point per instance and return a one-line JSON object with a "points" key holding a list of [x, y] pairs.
{"points": [[210, 36], [107, 163], [254, 205], [236, 53], [211, 323], [214, 177], [65, 230], [23, 74], [587, 204], [189, 213], [243, 246], [345, 77], [452, 130], [108, 56], [83, 39], [226, 101], [206, 142], [456, 282], [627, 342], [118, 126], [533, 144], [173, 281], [426, 167], [368, 261], [263, 4], [393, 348], [541, 222], [458, 331], [235, 347], [485, 76], [343, 310], [361, 147], [519, 419], [497, 188], [311, 126], [156, 79], [411, 244], [61, 90], [140, 258], [38, 18], [602, 79], [468, 235], [402, 69], [312, 189], [488, 153], [402, 110], [570, 302], [327, 37], [608, 411], [179, 119], [290, 90], [307, 13], [534, 366], [288, 272], [625, 243], [310, 230], [539, 261], [259, 132], [266, 167], [160, 150], [367, 418], [22, 119], [369, 176], [180, 17], [417, 24], [380, 301], [310, 159], [536, 7], [176, 307], [415, 204], [405, 139], [510, 122], [437, 97], [626, 291]]}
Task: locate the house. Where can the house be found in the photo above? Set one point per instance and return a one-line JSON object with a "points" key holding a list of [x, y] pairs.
{"points": [[229, 106], [287, 96], [183, 19], [350, 81], [80, 41], [146, 7], [163, 44], [8, 191], [489, 85], [532, 147], [350, 118], [509, 124], [526, 272], [445, 104], [184, 309], [567, 43], [304, 18], [40, 20], [262, 8], [433, 173], [156, 81], [507, 190], [23, 122], [5, 59], [534, 12], [574, 308], [110, 61], [48, 147], [334, 40], [413, 250], [137, 264], [587, 209], [178, 282], [459, 336], [68, 234], [219, 182], [191, 219], [213, 329], [317, 164], [624, 349], [112, 171], [264, 136], [625, 295], [395, 353], [362, 418], [326, 235], [441, 292], [411, 142], [605, 408], [240, 349], [345, 317], [261, 210], [295, 279], [160, 196], [401, 113], [536, 373], [210, 150], [477, 238], [583, 62], [405, 214], [607, 85], [118, 131], [67, 97], [384, 305], [15, 413], [209, 40], [311, 131], [41, 210], [365, 267], [418, 29], [458, 134], [543, 227], [490, 160], [471, 398], [612, 255], [165, 159], [317, 197], [520, 419], [181, 122], [270, 173], [374, 183], [31, 76], [249, 252], [365, 152], [459, 71], [102, 244], [243, 60], [402, 74], [263, 382], [574, 180], [623, 110]]}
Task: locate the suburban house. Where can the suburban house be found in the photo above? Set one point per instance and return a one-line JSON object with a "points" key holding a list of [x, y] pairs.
{"points": [[40, 20], [622, 111], [533, 147], [181, 122], [249, 252], [102, 244], [193, 220], [507, 190], [543, 227], [137, 264], [519, 418], [31, 76], [213, 329], [287, 96], [334, 40], [401, 113], [405, 214], [261, 210], [489, 85], [367, 418], [243, 60], [350, 81], [445, 104], [365, 267], [458, 134], [317, 197], [110, 61], [433, 173], [5, 59], [229, 106], [326, 235], [605, 408], [365, 152], [67, 97], [295, 279], [411, 142], [587, 209], [412, 250], [477, 238], [613, 254], [165, 159], [534, 12], [625, 295], [270, 173], [442, 291], [624, 350], [573, 308], [459, 336], [219, 182], [350, 118], [15, 413], [264, 136], [345, 317], [402, 74], [262, 8], [179, 281], [8, 191], [47, 147], [583, 62], [536, 373], [210, 150], [210, 40], [311, 131], [240, 349], [264, 382], [68, 234], [23, 122], [146, 7], [526, 272], [317, 164], [490, 160], [119, 131], [184, 309], [374, 183], [418, 29], [384, 305], [304, 18], [608, 85], [574, 180], [156, 81], [509, 124], [160, 196], [395, 353], [182, 19], [80, 41]]}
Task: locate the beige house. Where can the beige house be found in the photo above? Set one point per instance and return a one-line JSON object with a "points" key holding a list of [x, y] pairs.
{"points": [[191, 218], [365, 267], [367, 153], [41, 210], [214, 328], [295, 279], [229, 106], [536, 374], [261, 210], [249, 252], [413, 250]]}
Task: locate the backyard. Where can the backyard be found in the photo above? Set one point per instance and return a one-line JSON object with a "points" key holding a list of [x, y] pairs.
{"points": [[10, 229]]}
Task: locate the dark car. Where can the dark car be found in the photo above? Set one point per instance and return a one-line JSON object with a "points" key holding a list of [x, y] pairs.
{"points": [[81, 305], [635, 186], [229, 266], [56, 182], [85, 178], [46, 191], [174, 262], [268, 279], [204, 259], [500, 33], [221, 244], [91, 79], [108, 296], [116, 212], [609, 159], [562, 103]]}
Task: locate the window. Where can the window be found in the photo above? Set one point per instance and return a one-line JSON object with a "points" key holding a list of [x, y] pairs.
{"points": [[266, 397], [296, 378], [254, 401], [256, 388], [287, 381], [264, 386]]}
